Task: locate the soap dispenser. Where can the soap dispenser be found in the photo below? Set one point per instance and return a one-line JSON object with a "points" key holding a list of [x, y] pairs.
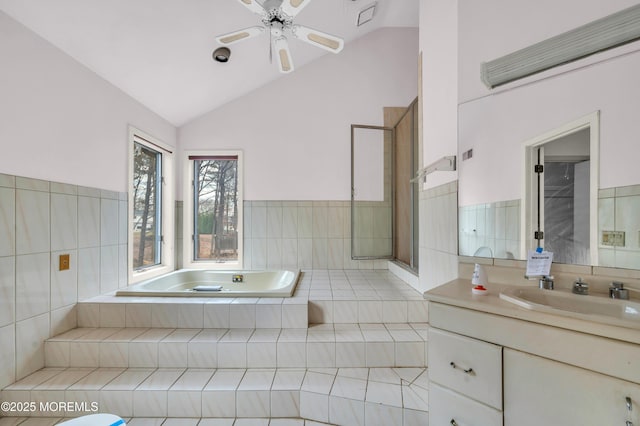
{"points": [[479, 279]]}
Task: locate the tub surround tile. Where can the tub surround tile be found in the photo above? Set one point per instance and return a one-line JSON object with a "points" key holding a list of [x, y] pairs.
{"points": [[64, 222], [258, 222], [123, 217], [7, 290], [161, 380], [7, 180], [88, 222], [274, 222], [33, 229], [109, 214], [191, 316], [219, 396], [314, 406], [30, 336], [88, 272], [32, 184], [242, 314], [165, 315], [137, 315], [305, 221], [346, 411], [109, 258], [32, 285], [8, 355], [184, 404], [63, 319], [216, 315], [383, 415], [8, 221]]}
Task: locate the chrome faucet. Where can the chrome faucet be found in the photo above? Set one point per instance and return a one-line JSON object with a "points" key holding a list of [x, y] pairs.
{"points": [[580, 287], [617, 291], [546, 282]]}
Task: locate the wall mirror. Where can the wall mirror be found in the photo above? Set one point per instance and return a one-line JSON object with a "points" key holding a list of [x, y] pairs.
{"points": [[580, 222]]}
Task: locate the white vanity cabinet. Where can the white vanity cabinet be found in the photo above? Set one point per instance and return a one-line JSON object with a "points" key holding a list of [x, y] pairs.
{"points": [[515, 372], [538, 391], [466, 380]]}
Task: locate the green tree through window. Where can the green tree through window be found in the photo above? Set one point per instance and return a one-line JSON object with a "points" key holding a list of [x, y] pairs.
{"points": [[216, 208]]}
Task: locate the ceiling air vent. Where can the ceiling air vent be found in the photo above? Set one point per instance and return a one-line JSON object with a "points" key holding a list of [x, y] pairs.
{"points": [[366, 14], [603, 34]]}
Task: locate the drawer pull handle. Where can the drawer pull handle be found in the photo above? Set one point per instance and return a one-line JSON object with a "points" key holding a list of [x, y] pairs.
{"points": [[454, 423], [466, 370]]}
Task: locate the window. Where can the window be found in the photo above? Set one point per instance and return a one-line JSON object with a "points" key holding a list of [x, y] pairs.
{"points": [[150, 207], [213, 216], [147, 199]]}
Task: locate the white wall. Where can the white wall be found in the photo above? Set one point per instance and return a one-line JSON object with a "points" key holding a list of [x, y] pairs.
{"points": [[61, 122], [495, 124], [295, 132], [439, 47], [438, 203]]}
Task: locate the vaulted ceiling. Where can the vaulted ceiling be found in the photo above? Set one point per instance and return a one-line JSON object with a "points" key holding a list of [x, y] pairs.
{"points": [[159, 51]]}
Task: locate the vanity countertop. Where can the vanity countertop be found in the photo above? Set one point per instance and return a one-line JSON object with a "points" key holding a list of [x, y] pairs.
{"points": [[458, 293]]}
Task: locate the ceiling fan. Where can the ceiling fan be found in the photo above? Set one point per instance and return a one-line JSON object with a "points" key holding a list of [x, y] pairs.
{"points": [[277, 17]]}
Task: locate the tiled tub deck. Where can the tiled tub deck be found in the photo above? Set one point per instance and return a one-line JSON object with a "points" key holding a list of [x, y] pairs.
{"points": [[361, 360]]}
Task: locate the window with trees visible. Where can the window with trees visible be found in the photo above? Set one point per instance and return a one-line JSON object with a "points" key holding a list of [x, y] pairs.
{"points": [[151, 207], [216, 212], [147, 211]]}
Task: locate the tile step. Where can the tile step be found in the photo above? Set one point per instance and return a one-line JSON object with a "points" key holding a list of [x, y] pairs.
{"points": [[297, 312], [344, 396], [319, 346]]}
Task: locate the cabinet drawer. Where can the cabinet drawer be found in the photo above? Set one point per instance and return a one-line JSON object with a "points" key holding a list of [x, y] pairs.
{"points": [[450, 408], [468, 366]]}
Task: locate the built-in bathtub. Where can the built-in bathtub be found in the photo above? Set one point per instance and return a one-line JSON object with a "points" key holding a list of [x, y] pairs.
{"points": [[207, 283]]}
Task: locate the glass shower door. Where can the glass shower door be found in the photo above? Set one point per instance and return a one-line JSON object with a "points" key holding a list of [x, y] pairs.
{"points": [[372, 192]]}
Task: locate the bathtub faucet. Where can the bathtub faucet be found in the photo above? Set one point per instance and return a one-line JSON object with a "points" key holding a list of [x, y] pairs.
{"points": [[238, 278]]}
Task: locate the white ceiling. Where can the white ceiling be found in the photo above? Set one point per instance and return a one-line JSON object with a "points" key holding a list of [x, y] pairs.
{"points": [[159, 51]]}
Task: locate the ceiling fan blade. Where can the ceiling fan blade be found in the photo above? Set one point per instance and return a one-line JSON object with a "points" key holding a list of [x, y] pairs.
{"points": [[317, 38], [239, 35], [293, 7], [283, 55], [253, 6]]}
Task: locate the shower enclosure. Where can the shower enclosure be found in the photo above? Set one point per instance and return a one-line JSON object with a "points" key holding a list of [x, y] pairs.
{"points": [[384, 203]]}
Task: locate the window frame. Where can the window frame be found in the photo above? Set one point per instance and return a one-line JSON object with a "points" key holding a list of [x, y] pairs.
{"points": [[167, 201], [188, 248]]}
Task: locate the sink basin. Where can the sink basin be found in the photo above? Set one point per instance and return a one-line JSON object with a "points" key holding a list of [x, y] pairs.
{"points": [[601, 309]]}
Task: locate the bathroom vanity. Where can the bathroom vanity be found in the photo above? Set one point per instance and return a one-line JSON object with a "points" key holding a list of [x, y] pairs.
{"points": [[492, 362]]}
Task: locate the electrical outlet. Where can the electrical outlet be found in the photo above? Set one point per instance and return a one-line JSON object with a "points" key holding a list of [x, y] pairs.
{"points": [[64, 262], [613, 238]]}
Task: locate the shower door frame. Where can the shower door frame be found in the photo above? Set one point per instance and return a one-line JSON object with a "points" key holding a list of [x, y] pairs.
{"points": [[392, 194]]}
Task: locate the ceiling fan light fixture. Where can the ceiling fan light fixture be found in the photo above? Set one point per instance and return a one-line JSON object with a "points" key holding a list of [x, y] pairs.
{"points": [[222, 54], [366, 14], [277, 18]]}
